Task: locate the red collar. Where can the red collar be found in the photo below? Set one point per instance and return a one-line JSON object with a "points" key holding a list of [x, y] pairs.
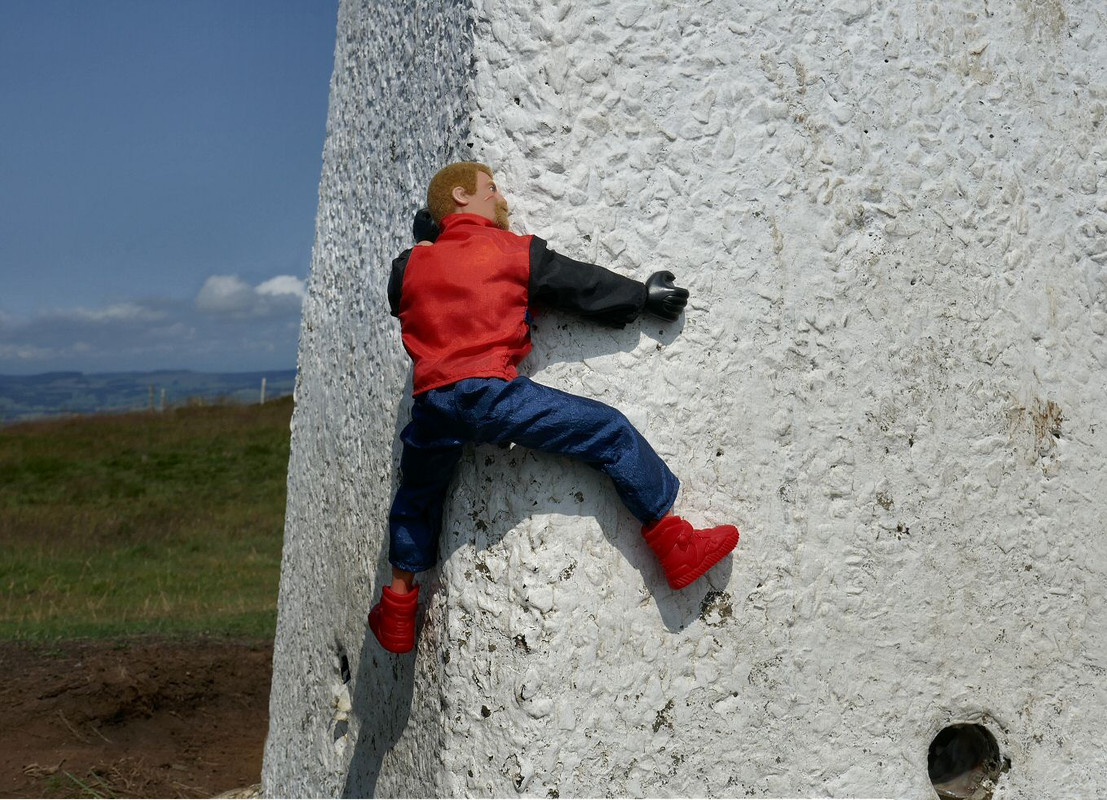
{"points": [[453, 220]]}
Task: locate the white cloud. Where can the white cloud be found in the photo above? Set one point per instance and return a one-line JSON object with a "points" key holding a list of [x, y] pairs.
{"points": [[24, 352], [229, 295], [283, 284], [229, 325], [118, 314], [121, 312], [225, 294]]}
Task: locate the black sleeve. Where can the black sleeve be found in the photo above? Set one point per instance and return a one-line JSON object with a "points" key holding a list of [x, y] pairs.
{"points": [[396, 281], [595, 293]]}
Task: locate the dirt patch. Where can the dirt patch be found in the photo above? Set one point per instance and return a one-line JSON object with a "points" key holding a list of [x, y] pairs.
{"points": [[133, 718]]}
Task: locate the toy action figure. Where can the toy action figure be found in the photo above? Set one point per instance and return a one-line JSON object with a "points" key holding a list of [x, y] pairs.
{"points": [[464, 307]]}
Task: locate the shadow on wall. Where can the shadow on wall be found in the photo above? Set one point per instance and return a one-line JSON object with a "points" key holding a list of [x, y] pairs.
{"points": [[578, 340], [593, 497], [380, 674], [678, 609]]}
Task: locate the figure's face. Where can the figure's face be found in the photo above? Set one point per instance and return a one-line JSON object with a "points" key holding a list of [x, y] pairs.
{"points": [[486, 201]]}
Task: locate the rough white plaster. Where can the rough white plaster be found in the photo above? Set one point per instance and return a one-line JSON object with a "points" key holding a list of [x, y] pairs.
{"points": [[893, 221]]}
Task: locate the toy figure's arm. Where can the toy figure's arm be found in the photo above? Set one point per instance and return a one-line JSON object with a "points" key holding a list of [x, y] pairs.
{"points": [[424, 228], [396, 282], [599, 294]]}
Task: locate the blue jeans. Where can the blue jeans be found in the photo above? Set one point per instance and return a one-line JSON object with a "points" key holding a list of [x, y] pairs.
{"points": [[527, 413]]}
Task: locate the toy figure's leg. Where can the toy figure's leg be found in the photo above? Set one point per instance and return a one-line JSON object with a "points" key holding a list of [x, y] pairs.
{"points": [[403, 580], [546, 419], [430, 455]]}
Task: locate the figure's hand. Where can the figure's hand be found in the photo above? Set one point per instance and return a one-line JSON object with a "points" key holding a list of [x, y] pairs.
{"points": [[663, 298], [424, 228]]}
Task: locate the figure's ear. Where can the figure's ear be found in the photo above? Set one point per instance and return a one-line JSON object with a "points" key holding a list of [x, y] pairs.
{"points": [[460, 196]]}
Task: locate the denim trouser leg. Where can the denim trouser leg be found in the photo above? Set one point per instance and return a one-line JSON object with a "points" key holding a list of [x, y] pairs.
{"points": [[553, 421], [430, 456], [529, 414]]}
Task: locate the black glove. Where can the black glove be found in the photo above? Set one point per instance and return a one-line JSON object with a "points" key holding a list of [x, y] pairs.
{"points": [[663, 298], [424, 228]]}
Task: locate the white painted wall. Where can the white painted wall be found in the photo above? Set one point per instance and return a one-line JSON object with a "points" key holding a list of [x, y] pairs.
{"points": [[893, 221]]}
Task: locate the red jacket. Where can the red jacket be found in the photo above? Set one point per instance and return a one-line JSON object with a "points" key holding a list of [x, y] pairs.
{"points": [[463, 307], [463, 302]]}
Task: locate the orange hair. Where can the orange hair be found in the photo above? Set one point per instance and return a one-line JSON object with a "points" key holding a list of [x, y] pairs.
{"points": [[440, 198]]}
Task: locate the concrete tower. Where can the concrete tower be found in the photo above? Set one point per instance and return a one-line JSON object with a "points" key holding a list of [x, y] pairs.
{"points": [[892, 218]]}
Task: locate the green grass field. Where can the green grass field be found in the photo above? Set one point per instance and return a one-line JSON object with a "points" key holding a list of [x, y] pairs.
{"points": [[165, 523]]}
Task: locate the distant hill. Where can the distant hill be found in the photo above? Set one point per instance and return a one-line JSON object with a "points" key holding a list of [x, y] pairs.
{"points": [[50, 394]]}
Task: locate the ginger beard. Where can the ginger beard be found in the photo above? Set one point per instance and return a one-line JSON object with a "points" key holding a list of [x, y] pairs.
{"points": [[502, 214]]}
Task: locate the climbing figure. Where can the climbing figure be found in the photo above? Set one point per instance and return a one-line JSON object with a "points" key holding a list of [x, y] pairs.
{"points": [[464, 304]]}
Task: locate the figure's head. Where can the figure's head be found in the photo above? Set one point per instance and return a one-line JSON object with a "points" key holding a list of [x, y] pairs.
{"points": [[467, 187]]}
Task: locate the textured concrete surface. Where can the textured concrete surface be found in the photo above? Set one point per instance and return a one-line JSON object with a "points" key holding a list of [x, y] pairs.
{"points": [[893, 221]]}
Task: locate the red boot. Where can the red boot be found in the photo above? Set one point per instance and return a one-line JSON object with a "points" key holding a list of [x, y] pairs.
{"points": [[392, 620], [686, 553]]}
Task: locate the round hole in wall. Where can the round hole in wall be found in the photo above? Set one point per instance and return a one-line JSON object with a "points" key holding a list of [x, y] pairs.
{"points": [[964, 762]]}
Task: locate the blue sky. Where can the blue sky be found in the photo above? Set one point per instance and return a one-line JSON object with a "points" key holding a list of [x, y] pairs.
{"points": [[159, 174]]}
